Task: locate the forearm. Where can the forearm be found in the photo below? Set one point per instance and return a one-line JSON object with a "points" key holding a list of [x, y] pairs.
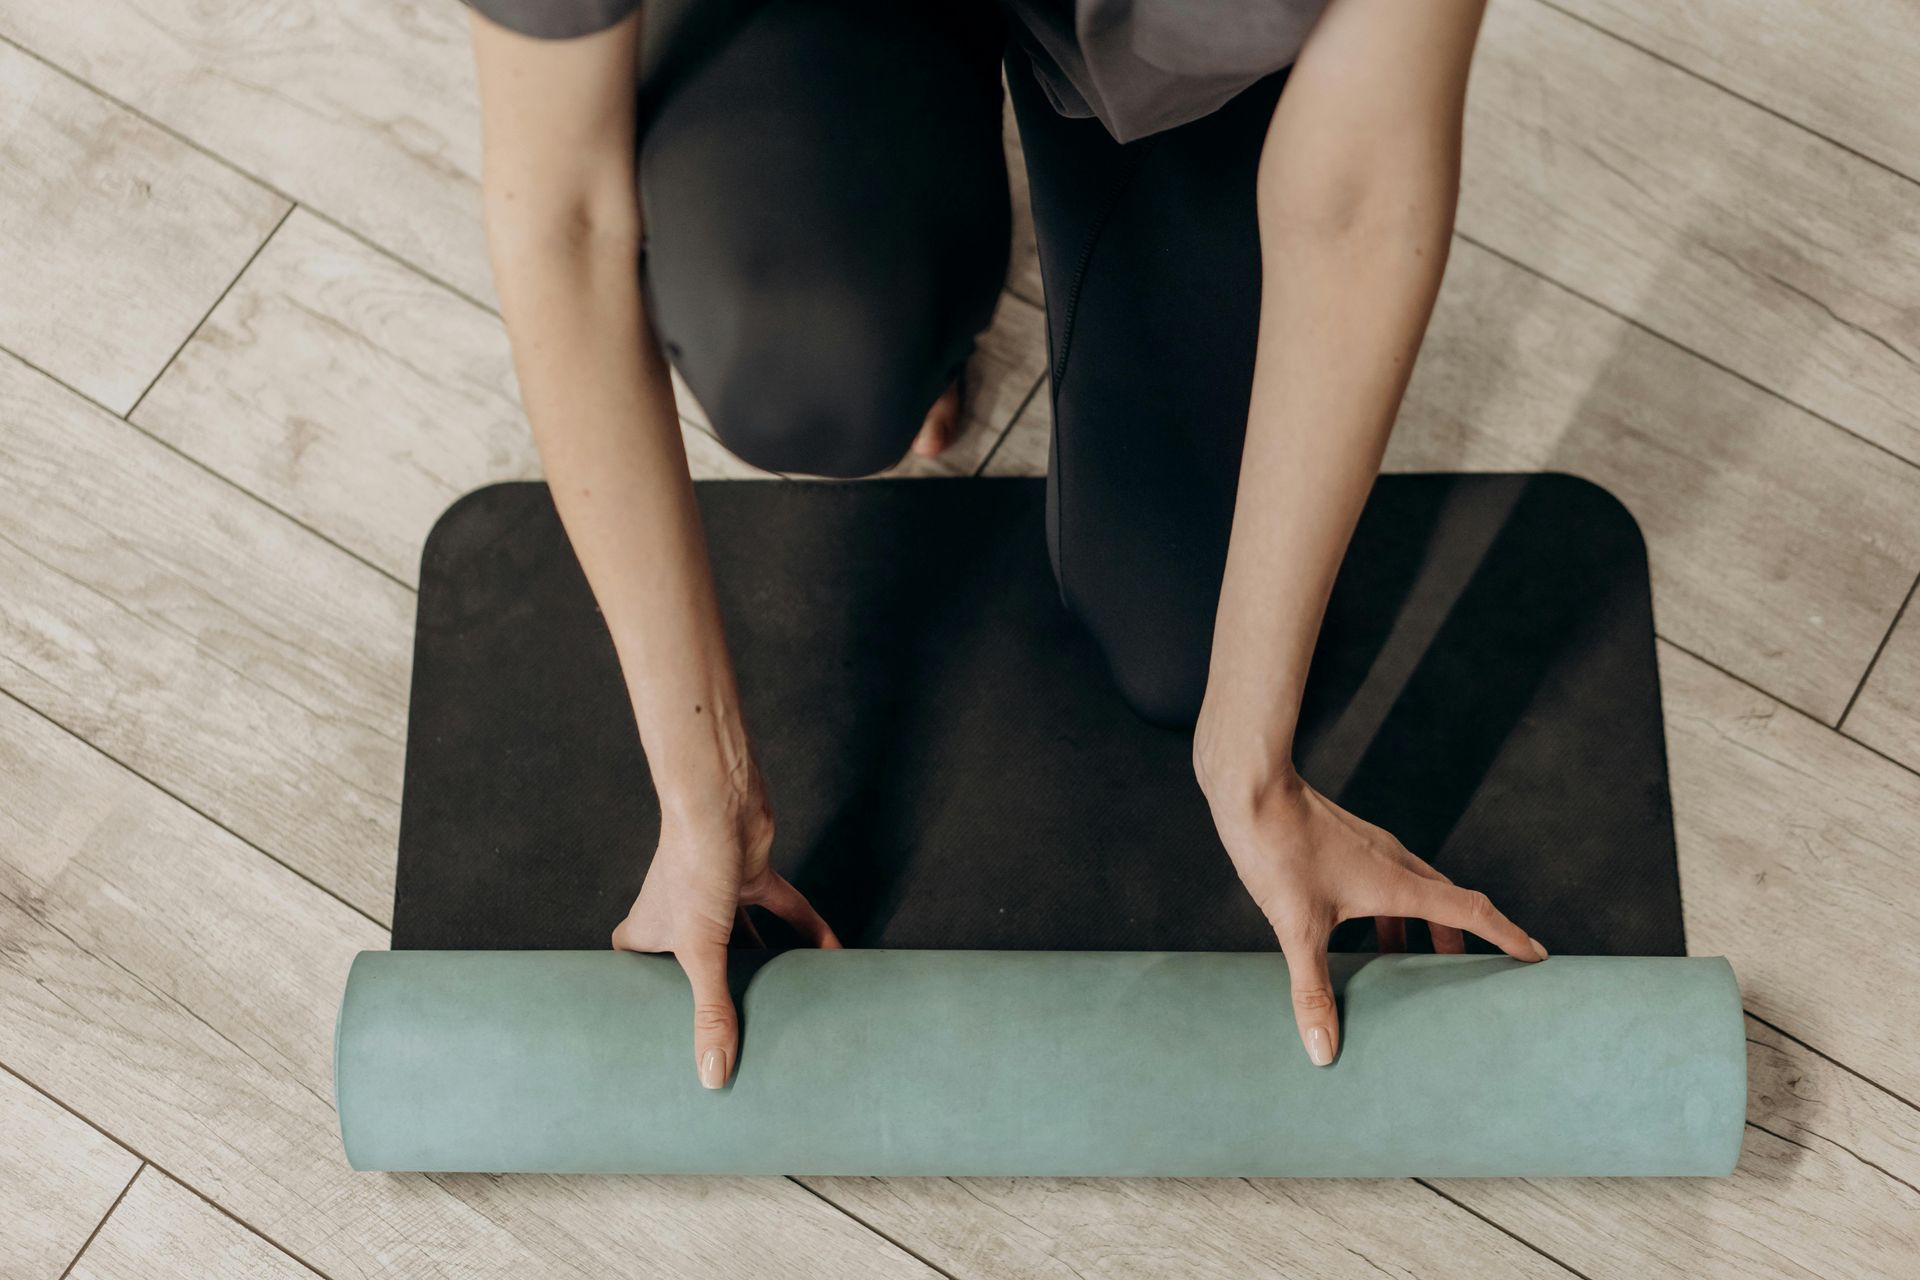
{"points": [[563, 232], [597, 393], [1357, 191]]}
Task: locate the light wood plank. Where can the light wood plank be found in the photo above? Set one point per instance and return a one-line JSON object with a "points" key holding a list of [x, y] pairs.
{"points": [[58, 1177], [362, 109], [179, 988], [1716, 224], [1008, 363], [117, 237], [1207, 1229], [202, 639], [348, 391], [1887, 715], [1797, 862], [1780, 545], [162, 1231], [1842, 69], [1825, 1190]]}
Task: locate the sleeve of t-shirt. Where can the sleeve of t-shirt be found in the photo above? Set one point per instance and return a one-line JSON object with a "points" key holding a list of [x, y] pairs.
{"points": [[555, 19]]}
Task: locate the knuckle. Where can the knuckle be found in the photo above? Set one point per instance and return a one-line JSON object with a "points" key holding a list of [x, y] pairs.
{"points": [[1480, 906], [716, 1019], [1314, 999]]}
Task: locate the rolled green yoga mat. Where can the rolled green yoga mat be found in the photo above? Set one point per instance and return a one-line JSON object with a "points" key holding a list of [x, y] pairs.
{"points": [[1066, 1063]]}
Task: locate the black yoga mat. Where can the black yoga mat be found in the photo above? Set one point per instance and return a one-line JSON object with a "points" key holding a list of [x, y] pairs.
{"points": [[951, 766]]}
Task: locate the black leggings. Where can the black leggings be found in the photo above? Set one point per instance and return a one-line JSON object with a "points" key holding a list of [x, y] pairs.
{"points": [[826, 208]]}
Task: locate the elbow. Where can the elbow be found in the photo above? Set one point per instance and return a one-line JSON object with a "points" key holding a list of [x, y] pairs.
{"points": [[569, 226], [1361, 195]]}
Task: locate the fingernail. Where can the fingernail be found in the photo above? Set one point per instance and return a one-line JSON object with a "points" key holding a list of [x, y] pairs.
{"points": [[1539, 952], [713, 1069], [1320, 1047]]}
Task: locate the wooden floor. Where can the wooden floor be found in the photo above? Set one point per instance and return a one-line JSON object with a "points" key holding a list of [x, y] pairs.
{"points": [[248, 352]]}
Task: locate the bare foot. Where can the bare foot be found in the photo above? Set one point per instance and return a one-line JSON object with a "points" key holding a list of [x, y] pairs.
{"points": [[941, 426]]}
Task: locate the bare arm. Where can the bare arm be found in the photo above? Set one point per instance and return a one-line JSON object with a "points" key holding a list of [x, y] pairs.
{"points": [[1357, 188], [563, 232]]}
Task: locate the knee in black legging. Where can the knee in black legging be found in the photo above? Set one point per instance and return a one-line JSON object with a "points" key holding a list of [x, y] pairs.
{"points": [[825, 202], [827, 380], [1164, 683], [1154, 628]]}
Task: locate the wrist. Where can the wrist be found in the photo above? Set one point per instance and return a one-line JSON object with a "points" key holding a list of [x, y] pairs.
{"points": [[1243, 765], [702, 764], [709, 806]]}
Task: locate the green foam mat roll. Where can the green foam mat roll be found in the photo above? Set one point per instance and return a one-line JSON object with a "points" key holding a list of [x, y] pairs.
{"points": [[1006, 1063]]}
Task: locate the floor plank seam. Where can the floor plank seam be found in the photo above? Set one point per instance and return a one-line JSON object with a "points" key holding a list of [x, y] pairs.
{"points": [[207, 315], [271, 188], [144, 118], [148, 1162], [1504, 1230], [1012, 418], [854, 1217], [294, 871], [1868, 747], [1824, 1056], [57, 380], [184, 456], [1878, 1168], [363, 239], [284, 514], [1874, 661], [1643, 327], [1735, 94], [88, 1242]]}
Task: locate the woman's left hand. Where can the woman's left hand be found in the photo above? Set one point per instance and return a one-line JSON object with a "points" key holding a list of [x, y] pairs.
{"points": [[1310, 864]]}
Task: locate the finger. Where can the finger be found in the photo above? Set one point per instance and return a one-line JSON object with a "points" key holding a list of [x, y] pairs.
{"points": [[1390, 932], [1447, 940], [716, 1034], [787, 902], [1314, 1011], [1449, 905]]}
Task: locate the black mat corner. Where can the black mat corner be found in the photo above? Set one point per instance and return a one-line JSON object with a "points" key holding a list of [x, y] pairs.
{"points": [[951, 767]]}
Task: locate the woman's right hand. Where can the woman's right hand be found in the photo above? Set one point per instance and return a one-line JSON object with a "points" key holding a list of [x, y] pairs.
{"points": [[712, 863]]}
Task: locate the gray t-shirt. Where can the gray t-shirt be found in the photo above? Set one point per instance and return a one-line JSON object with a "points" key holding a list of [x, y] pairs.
{"points": [[1140, 66]]}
